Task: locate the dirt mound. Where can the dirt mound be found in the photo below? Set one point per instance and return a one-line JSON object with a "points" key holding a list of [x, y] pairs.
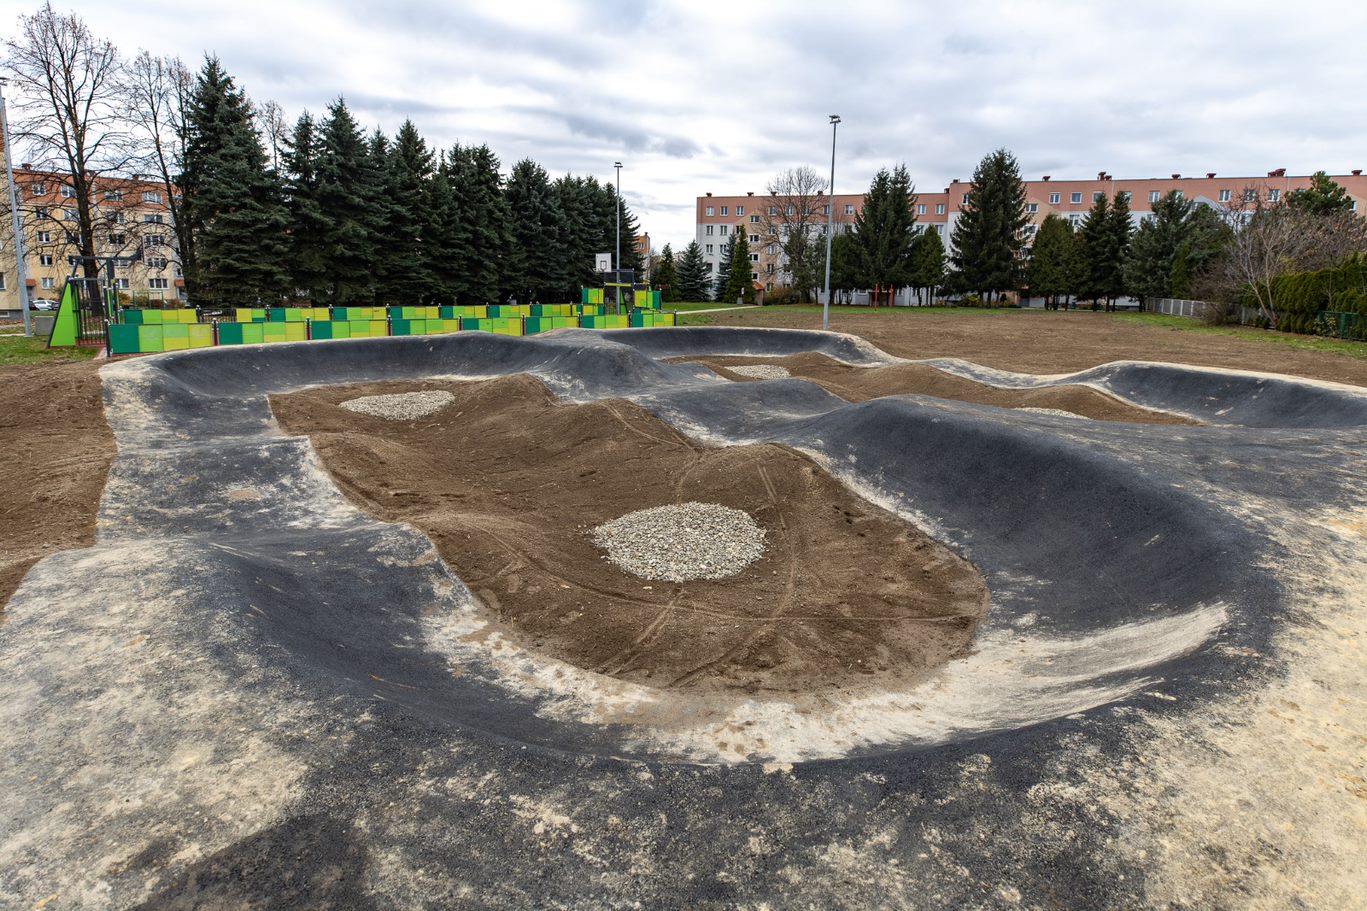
{"points": [[509, 484], [57, 450], [858, 384]]}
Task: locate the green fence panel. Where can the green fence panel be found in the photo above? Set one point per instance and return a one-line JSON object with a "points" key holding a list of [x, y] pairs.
{"points": [[175, 337], [123, 339], [230, 333], [201, 335], [149, 339], [254, 333]]}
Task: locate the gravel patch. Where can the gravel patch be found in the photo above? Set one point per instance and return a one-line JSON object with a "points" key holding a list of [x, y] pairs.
{"points": [[1056, 412], [400, 406], [683, 542], [761, 371]]}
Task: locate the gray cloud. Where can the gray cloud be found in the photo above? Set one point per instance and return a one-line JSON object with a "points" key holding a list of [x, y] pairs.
{"points": [[695, 97]]}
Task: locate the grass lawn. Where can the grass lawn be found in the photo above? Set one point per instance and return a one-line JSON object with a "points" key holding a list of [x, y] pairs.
{"points": [[760, 314], [697, 305], [1289, 339], [16, 349]]}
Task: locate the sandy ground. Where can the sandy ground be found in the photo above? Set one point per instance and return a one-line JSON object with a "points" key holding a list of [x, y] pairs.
{"points": [[859, 384], [1052, 342], [509, 483], [57, 449]]}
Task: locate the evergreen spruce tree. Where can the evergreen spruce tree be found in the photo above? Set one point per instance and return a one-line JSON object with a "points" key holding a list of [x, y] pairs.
{"points": [[666, 276], [346, 190], [693, 284], [739, 285], [1096, 256], [447, 243], [306, 261], [535, 265], [1121, 229], [885, 229], [1173, 247], [1323, 197], [927, 264], [722, 279], [485, 223], [987, 236], [396, 253], [410, 168], [1053, 257], [576, 243], [233, 205]]}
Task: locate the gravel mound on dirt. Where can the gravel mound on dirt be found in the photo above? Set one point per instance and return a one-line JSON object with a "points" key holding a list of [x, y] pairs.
{"points": [[682, 542], [400, 406], [1056, 412], [762, 371]]}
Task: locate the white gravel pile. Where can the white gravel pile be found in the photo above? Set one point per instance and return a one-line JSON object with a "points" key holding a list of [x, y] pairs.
{"points": [[1056, 412], [762, 371], [683, 542], [400, 406]]}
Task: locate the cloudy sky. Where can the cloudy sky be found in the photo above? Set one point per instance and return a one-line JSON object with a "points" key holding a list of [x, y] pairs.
{"points": [[718, 96]]}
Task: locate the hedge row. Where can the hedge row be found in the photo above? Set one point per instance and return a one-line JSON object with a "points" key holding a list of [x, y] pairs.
{"points": [[1300, 296]]}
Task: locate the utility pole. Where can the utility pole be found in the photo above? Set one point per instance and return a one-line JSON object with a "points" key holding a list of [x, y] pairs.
{"points": [[618, 166], [20, 270], [830, 228]]}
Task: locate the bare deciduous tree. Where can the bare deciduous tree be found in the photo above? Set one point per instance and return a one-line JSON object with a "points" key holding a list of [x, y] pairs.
{"points": [[70, 100], [792, 216], [270, 122], [158, 90], [1273, 239]]}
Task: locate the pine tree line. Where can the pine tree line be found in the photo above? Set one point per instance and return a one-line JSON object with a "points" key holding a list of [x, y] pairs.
{"points": [[350, 219]]}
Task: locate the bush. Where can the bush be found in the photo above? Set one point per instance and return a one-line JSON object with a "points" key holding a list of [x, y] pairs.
{"points": [[781, 296]]}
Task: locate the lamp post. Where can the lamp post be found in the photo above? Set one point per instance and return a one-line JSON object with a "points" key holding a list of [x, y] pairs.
{"points": [[830, 228], [20, 269], [618, 166]]}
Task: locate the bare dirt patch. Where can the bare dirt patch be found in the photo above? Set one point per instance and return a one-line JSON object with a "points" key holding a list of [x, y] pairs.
{"points": [[56, 449], [509, 483], [858, 384]]}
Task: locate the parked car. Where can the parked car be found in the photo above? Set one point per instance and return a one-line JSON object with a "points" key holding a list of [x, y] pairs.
{"points": [[43, 305]]}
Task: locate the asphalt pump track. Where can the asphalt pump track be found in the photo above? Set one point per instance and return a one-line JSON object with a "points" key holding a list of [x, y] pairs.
{"points": [[252, 692]]}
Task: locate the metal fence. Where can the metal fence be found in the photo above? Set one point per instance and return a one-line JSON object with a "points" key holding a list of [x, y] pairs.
{"points": [[1173, 306]]}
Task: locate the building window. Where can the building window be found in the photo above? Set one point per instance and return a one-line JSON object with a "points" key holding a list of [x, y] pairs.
{"points": [[754, 238], [153, 218], [754, 257], [920, 208], [769, 249], [708, 230], [1155, 195], [41, 212], [2, 281], [117, 218], [1177, 194], [740, 210], [1250, 194], [768, 269], [1074, 218], [154, 240], [71, 260], [1125, 195], [723, 210], [44, 237], [1032, 207], [773, 210], [1274, 195], [70, 214], [121, 284], [710, 212], [37, 190], [1054, 198], [1076, 198], [849, 208], [114, 195], [1030, 230], [156, 263], [939, 208], [157, 284], [754, 276], [49, 283], [1224, 196], [709, 249], [754, 219], [966, 195], [709, 266], [45, 259], [1097, 196], [118, 240], [151, 196], [725, 229], [68, 192], [788, 210]]}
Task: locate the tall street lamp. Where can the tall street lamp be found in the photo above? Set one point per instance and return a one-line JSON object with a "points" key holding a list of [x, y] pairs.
{"points": [[618, 166], [830, 228]]}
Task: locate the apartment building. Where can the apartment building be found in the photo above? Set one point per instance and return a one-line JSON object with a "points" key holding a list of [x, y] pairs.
{"points": [[758, 216], [132, 226]]}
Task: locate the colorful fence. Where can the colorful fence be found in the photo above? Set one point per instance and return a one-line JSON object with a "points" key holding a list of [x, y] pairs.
{"points": [[149, 331]]}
